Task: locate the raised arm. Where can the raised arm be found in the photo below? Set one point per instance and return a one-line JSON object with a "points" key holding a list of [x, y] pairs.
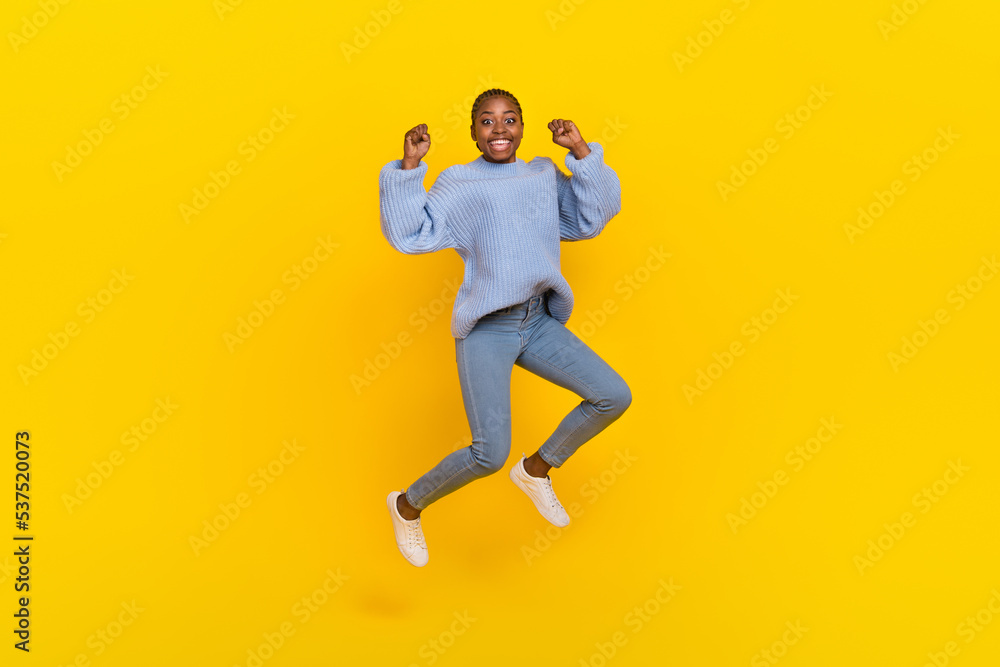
{"points": [[413, 220], [592, 195], [588, 199]]}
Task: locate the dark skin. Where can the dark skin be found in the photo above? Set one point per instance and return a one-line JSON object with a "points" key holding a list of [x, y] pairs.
{"points": [[496, 119]]}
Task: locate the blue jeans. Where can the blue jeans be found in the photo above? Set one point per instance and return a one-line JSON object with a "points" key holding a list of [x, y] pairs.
{"points": [[527, 335]]}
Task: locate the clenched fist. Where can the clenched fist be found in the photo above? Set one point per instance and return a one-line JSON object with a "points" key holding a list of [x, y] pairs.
{"points": [[416, 143], [566, 134]]}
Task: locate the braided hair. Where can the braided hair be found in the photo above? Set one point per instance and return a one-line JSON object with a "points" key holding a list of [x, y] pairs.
{"points": [[485, 95]]}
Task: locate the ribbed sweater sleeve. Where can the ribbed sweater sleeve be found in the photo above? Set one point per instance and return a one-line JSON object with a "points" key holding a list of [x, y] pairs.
{"points": [[588, 199], [413, 220]]}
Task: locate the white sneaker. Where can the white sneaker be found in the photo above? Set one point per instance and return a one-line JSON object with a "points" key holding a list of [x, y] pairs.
{"points": [[539, 489], [409, 535]]}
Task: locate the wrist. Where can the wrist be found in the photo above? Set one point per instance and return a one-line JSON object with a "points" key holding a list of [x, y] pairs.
{"points": [[580, 150], [407, 163]]}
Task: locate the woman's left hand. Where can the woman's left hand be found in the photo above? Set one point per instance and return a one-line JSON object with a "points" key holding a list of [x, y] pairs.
{"points": [[566, 134]]}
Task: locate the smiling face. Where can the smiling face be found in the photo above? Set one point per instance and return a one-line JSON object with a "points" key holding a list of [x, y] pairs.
{"points": [[498, 129]]}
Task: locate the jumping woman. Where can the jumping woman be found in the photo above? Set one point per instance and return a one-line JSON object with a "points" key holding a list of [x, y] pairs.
{"points": [[505, 217]]}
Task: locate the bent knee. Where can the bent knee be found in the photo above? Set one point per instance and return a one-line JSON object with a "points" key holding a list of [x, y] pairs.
{"points": [[617, 399], [491, 461]]}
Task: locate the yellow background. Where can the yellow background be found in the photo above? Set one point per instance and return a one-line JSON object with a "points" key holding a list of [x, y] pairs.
{"points": [[680, 131]]}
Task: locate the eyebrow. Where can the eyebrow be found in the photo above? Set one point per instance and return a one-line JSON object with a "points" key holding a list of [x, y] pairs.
{"points": [[491, 113]]}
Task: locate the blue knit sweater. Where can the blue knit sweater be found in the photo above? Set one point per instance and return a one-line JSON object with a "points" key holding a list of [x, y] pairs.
{"points": [[505, 220]]}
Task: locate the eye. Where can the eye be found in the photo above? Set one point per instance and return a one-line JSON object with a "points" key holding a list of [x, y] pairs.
{"points": [[487, 120], [511, 119]]}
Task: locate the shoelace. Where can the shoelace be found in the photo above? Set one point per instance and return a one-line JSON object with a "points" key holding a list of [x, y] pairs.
{"points": [[550, 493], [415, 536]]}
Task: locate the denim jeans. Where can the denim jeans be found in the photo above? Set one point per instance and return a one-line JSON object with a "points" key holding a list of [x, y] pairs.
{"points": [[528, 336]]}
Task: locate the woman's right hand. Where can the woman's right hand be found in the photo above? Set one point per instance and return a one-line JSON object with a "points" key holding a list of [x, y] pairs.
{"points": [[416, 143]]}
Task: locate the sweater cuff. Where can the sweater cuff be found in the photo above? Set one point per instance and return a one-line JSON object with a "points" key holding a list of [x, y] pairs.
{"points": [[394, 170], [596, 154]]}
